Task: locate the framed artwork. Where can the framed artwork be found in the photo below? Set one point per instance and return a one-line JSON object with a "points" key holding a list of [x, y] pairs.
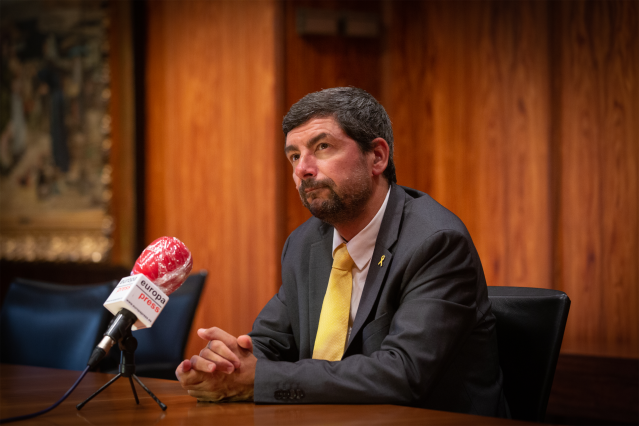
{"points": [[55, 140]]}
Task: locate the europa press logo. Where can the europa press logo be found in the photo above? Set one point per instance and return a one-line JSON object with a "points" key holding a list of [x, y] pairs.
{"points": [[156, 296]]}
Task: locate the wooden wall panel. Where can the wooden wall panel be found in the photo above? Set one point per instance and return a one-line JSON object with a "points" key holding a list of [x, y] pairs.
{"points": [[520, 117], [122, 159], [598, 218], [466, 86], [318, 62], [213, 149], [509, 123]]}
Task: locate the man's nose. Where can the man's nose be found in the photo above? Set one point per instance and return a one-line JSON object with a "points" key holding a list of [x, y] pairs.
{"points": [[306, 167]]}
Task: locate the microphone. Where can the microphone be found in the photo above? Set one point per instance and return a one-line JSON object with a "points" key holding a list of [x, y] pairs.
{"points": [[137, 300]]}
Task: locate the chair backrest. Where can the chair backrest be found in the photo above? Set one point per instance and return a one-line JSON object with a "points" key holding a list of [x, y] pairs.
{"points": [[161, 347], [530, 328], [52, 325]]}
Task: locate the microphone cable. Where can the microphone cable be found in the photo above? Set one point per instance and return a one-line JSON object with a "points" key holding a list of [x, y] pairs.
{"points": [[46, 410]]}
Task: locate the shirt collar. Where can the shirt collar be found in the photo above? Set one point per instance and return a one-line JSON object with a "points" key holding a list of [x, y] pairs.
{"points": [[362, 245]]}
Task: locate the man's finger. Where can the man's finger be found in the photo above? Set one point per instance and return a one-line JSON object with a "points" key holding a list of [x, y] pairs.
{"points": [[218, 347], [189, 378], [215, 333], [221, 364], [182, 368], [200, 364], [245, 342], [186, 365]]}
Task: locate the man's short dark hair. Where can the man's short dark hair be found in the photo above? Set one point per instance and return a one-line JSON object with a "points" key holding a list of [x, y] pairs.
{"points": [[358, 113]]}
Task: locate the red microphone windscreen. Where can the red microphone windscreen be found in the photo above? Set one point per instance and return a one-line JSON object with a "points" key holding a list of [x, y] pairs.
{"points": [[167, 262]]}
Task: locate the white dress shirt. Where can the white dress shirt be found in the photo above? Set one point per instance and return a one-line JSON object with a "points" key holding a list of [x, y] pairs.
{"points": [[361, 248]]}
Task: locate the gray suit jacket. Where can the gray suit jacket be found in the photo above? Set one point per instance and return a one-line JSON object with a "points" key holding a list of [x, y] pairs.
{"points": [[424, 334]]}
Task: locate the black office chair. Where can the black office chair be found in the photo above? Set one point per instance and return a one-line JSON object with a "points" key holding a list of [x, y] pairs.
{"points": [[530, 328], [161, 347], [52, 325]]}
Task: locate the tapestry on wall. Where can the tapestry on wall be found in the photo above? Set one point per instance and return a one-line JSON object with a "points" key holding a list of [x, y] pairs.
{"points": [[55, 132]]}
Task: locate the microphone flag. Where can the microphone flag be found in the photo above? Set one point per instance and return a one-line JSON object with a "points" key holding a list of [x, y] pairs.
{"points": [[139, 295]]}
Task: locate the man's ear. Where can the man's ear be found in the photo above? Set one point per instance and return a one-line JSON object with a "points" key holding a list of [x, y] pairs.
{"points": [[381, 152]]}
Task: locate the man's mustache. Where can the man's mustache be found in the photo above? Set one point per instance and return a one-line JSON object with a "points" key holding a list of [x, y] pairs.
{"points": [[315, 184]]}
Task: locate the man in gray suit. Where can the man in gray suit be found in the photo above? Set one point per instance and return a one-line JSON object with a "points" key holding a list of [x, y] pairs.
{"points": [[383, 297]]}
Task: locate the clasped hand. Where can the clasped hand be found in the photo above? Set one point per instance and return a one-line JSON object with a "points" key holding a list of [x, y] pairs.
{"points": [[224, 370]]}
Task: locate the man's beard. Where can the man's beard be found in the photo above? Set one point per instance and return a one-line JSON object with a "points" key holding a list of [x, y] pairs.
{"points": [[337, 208]]}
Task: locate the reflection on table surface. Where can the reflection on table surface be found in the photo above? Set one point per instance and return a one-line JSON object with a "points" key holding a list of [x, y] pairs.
{"points": [[25, 389]]}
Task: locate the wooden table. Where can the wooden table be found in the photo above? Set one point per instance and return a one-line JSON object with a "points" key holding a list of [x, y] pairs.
{"points": [[24, 390]]}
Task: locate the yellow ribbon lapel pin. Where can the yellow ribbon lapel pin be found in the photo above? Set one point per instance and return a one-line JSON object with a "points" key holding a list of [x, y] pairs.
{"points": [[382, 260]]}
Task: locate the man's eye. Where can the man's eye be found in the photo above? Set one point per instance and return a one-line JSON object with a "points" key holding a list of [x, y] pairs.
{"points": [[322, 146], [294, 158]]}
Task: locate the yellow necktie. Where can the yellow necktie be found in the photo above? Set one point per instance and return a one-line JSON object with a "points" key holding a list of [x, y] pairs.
{"points": [[333, 323]]}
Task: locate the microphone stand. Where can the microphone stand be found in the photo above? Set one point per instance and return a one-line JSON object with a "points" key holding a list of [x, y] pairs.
{"points": [[128, 344]]}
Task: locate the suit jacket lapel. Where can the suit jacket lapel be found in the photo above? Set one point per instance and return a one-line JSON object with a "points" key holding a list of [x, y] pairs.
{"points": [[320, 264], [388, 233]]}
